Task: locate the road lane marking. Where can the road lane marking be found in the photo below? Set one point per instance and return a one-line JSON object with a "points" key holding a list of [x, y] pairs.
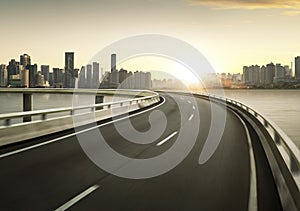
{"points": [[77, 198], [76, 133], [252, 202], [194, 107], [166, 139], [189, 102], [191, 117]]}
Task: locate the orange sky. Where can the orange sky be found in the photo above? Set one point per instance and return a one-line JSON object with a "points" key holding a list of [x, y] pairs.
{"points": [[230, 33]]}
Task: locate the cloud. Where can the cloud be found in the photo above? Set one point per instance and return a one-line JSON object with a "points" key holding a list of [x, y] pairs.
{"points": [[246, 4], [291, 13]]}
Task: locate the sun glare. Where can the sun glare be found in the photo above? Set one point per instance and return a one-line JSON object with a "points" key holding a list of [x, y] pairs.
{"points": [[160, 68]]}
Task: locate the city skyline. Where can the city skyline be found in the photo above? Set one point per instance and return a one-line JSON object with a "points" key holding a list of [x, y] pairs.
{"points": [[229, 33]]}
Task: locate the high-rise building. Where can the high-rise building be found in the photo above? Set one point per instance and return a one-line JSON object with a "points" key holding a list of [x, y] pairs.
{"points": [[69, 81], [113, 62], [3, 76], [89, 75], [12, 68], [25, 60], [82, 78], [24, 77], [246, 74], [123, 76], [137, 80], [39, 80], [45, 72], [262, 74], [297, 67], [32, 74], [57, 78], [114, 78], [279, 73], [148, 80], [69, 62], [287, 72], [76, 71], [270, 73], [51, 79], [251, 74], [96, 74]]}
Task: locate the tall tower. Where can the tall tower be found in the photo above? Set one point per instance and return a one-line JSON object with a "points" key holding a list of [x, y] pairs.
{"points": [[45, 72], [69, 61], [297, 67], [25, 60], [96, 74], [69, 70], [24, 76], [113, 62], [89, 75], [3, 75], [114, 79]]}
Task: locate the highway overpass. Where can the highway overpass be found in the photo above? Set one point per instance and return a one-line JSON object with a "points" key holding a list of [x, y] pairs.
{"points": [[254, 165]]}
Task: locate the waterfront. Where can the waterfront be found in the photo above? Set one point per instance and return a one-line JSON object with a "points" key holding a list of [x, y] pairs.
{"points": [[281, 106]]}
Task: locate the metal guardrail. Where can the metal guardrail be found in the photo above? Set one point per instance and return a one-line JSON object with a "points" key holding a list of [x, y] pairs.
{"points": [[106, 92], [289, 152], [73, 110]]}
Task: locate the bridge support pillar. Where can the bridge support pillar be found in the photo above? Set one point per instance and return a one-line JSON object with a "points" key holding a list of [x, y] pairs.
{"points": [[99, 99], [27, 105]]}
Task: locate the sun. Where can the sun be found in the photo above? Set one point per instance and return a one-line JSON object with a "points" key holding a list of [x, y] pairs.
{"points": [[160, 68]]}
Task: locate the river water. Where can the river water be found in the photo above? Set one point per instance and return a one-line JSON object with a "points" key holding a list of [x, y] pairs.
{"points": [[281, 106]]}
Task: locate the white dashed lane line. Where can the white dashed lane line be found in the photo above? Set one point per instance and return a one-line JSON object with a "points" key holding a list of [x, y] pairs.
{"points": [[166, 139]]}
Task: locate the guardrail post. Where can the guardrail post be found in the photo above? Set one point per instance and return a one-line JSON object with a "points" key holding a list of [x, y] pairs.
{"points": [[27, 105], [276, 138], [98, 100], [7, 122], [44, 116], [266, 123], [294, 166]]}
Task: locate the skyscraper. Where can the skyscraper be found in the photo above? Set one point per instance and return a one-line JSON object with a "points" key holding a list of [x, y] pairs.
{"points": [[39, 79], [148, 80], [270, 73], [57, 78], [89, 76], [69, 81], [82, 78], [25, 60], [12, 68], [24, 77], [96, 74], [246, 74], [32, 74], [3, 75], [113, 62], [114, 78], [45, 72], [297, 67]]}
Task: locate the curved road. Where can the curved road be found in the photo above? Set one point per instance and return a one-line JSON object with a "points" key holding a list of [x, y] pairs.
{"points": [[53, 172]]}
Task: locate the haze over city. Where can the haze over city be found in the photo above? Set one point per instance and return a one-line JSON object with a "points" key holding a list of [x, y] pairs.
{"points": [[230, 33]]}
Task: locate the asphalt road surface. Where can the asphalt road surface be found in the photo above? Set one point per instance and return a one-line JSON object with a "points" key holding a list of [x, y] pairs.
{"points": [[54, 172]]}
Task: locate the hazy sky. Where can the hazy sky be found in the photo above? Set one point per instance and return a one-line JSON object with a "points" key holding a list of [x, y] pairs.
{"points": [[230, 33]]}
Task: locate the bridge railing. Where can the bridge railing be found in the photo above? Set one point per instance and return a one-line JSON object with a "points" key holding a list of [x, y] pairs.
{"points": [[288, 151], [73, 110], [57, 119]]}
